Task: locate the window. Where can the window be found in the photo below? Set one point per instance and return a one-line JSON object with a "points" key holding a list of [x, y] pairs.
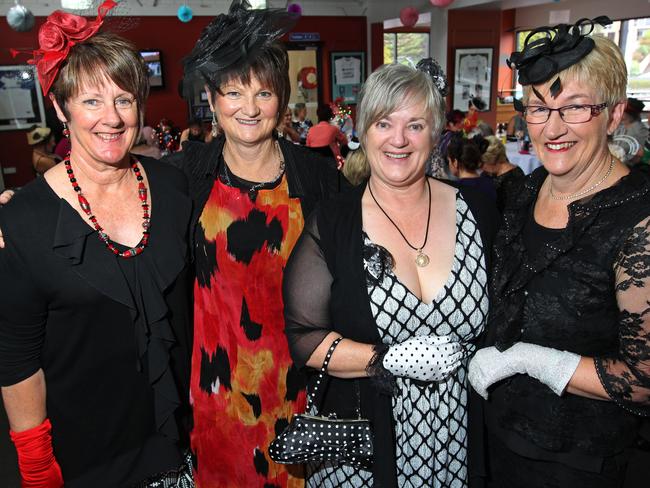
{"points": [[633, 37], [405, 47]]}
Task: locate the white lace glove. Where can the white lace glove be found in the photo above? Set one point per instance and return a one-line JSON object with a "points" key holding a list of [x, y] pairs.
{"points": [[424, 358], [550, 366]]}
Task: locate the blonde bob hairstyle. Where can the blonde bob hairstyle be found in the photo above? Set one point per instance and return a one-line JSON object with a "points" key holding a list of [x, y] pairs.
{"points": [[603, 69], [389, 88], [496, 151]]}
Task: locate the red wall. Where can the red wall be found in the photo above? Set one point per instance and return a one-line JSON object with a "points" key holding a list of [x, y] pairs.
{"points": [[174, 39], [506, 47], [475, 28]]}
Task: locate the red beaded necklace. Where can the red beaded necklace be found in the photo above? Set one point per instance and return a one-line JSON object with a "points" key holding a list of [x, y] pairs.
{"points": [[103, 236]]}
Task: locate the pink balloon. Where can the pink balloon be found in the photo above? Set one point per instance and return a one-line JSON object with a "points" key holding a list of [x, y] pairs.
{"points": [[441, 3], [295, 8], [409, 16]]}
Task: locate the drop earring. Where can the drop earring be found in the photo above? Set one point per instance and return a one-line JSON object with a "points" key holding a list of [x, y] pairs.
{"points": [[66, 131], [215, 125]]}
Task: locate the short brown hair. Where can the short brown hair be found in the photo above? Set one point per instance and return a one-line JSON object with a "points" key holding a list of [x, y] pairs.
{"points": [[101, 57], [271, 68]]}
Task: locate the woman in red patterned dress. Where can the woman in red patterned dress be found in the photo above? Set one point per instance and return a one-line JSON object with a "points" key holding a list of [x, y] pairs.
{"points": [[252, 193]]}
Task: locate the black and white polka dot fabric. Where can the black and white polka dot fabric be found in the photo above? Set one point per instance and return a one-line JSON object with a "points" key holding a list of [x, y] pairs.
{"points": [[430, 418], [425, 358]]}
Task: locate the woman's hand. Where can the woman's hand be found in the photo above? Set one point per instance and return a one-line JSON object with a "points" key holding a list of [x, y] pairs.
{"points": [[5, 196], [550, 366], [424, 358]]}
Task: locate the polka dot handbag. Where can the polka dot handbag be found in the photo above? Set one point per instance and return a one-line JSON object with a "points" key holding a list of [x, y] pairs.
{"points": [[318, 438]]}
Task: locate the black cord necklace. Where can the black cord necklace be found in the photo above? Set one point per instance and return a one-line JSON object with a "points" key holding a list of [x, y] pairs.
{"points": [[421, 259]]}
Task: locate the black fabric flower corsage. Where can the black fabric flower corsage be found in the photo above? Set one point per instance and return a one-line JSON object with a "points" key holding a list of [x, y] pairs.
{"points": [[562, 46]]}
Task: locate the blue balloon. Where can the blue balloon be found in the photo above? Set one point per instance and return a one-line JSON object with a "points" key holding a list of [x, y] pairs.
{"points": [[184, 13]]}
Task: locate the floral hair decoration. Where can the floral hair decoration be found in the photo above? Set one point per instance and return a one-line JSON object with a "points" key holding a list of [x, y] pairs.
{"points": [[562, 46], [56, 37], [431, 67], [231, 42]]}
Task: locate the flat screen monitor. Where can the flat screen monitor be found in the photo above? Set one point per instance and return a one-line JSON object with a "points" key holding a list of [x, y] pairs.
{"points": [[153, 60]]}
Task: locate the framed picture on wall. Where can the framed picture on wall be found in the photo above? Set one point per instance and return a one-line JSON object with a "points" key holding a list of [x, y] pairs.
{"points": [[348, 74], [21, 101], [153, 60], [472, 76]]}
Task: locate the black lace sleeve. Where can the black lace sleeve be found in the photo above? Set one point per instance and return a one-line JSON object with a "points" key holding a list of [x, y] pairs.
{"points": [[306, 293], [626, 376]]}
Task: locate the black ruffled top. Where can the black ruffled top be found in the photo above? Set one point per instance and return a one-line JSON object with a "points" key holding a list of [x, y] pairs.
{"points": [[111, 335], [583, 289]]}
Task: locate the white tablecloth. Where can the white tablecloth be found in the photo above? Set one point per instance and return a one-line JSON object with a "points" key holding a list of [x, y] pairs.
{"points": [[527, 162]]}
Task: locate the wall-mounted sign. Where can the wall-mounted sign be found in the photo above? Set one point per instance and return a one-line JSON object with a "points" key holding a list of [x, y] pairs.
{"points": [[304, 36]]}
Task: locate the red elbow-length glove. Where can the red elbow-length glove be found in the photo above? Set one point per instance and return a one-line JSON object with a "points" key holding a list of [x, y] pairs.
{"points": [[36, 461]]}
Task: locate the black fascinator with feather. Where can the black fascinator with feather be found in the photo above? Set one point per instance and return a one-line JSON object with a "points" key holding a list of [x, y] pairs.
{"points": [[230, 44], [431, 67], [549, 50]]}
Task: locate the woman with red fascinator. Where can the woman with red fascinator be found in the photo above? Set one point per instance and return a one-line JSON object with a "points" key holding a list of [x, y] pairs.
{"points": [[93, 295]]}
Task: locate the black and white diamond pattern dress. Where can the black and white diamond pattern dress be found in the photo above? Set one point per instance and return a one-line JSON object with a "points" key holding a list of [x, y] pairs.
{"points": [[430, 418]]}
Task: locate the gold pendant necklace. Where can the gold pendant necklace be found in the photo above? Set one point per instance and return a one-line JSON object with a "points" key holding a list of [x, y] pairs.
{"points": [[421, 260]]}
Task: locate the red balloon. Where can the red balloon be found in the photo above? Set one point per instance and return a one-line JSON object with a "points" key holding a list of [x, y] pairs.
{"points": [[409, 16], [441, 3]]}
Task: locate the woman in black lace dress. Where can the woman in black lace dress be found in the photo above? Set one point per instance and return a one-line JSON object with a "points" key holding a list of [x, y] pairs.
{"points": [[570, 321], [398, 268]]}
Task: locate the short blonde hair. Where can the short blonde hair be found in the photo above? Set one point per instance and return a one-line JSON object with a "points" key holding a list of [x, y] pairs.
{"points": [[388, 88], [356, 168], [496, 151], [603, 69]]}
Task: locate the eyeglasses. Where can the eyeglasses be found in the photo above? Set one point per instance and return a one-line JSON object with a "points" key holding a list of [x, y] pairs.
{"points": [[571, 114]]}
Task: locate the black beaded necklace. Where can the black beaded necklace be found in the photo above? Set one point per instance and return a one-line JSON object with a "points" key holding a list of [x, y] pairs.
{"points": [[103, 236], [421, 260]]}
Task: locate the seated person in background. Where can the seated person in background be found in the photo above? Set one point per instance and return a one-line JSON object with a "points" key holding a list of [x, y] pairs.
{"points": [[147, 144], [517, 128], [632, 126], [324, 137], [286, 129], [505, 175], [42, 142], [474, 106], [464, 157], [301, 123], [438, 166], [194, 132]]}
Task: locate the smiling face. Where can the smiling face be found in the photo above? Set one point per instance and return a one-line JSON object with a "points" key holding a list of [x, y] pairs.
{"points": [[564, 148], [246, 113], [399, 144], [103, 121]]}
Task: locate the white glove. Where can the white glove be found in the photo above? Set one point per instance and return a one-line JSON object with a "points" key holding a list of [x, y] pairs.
{"points": [[550, 366], [424, 358]]}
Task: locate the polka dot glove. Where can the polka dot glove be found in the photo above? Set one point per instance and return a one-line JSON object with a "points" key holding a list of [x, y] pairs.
{"points": [[550, 366], [424, 358]]}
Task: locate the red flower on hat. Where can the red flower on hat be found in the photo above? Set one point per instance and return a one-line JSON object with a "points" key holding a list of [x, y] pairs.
{"points": [[57, 35]]}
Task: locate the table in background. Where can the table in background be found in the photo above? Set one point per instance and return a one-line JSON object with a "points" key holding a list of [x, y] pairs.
{"points": [[527, 162]]}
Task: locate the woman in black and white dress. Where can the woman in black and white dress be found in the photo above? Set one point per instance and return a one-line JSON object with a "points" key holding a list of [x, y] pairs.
{"points": [[397, 268]]}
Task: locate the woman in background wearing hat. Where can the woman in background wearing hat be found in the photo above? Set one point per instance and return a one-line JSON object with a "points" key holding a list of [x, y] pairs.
{"points": [[570, 311], [42, 142], [632, 126]]}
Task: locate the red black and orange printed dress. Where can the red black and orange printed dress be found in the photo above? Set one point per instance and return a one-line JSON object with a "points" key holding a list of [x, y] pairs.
{"points": [[244, 387]]}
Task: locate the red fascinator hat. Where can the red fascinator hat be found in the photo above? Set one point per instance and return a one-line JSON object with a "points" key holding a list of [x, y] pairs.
{"points": [[56, 37]]}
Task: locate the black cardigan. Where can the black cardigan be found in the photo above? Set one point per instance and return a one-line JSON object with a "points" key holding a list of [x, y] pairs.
{"points": [[310, 176], [339, 223]]}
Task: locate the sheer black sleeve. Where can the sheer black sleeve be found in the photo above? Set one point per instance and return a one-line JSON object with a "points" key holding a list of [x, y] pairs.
{"points": [[22, 317], [626, 376], [306, 292]]}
